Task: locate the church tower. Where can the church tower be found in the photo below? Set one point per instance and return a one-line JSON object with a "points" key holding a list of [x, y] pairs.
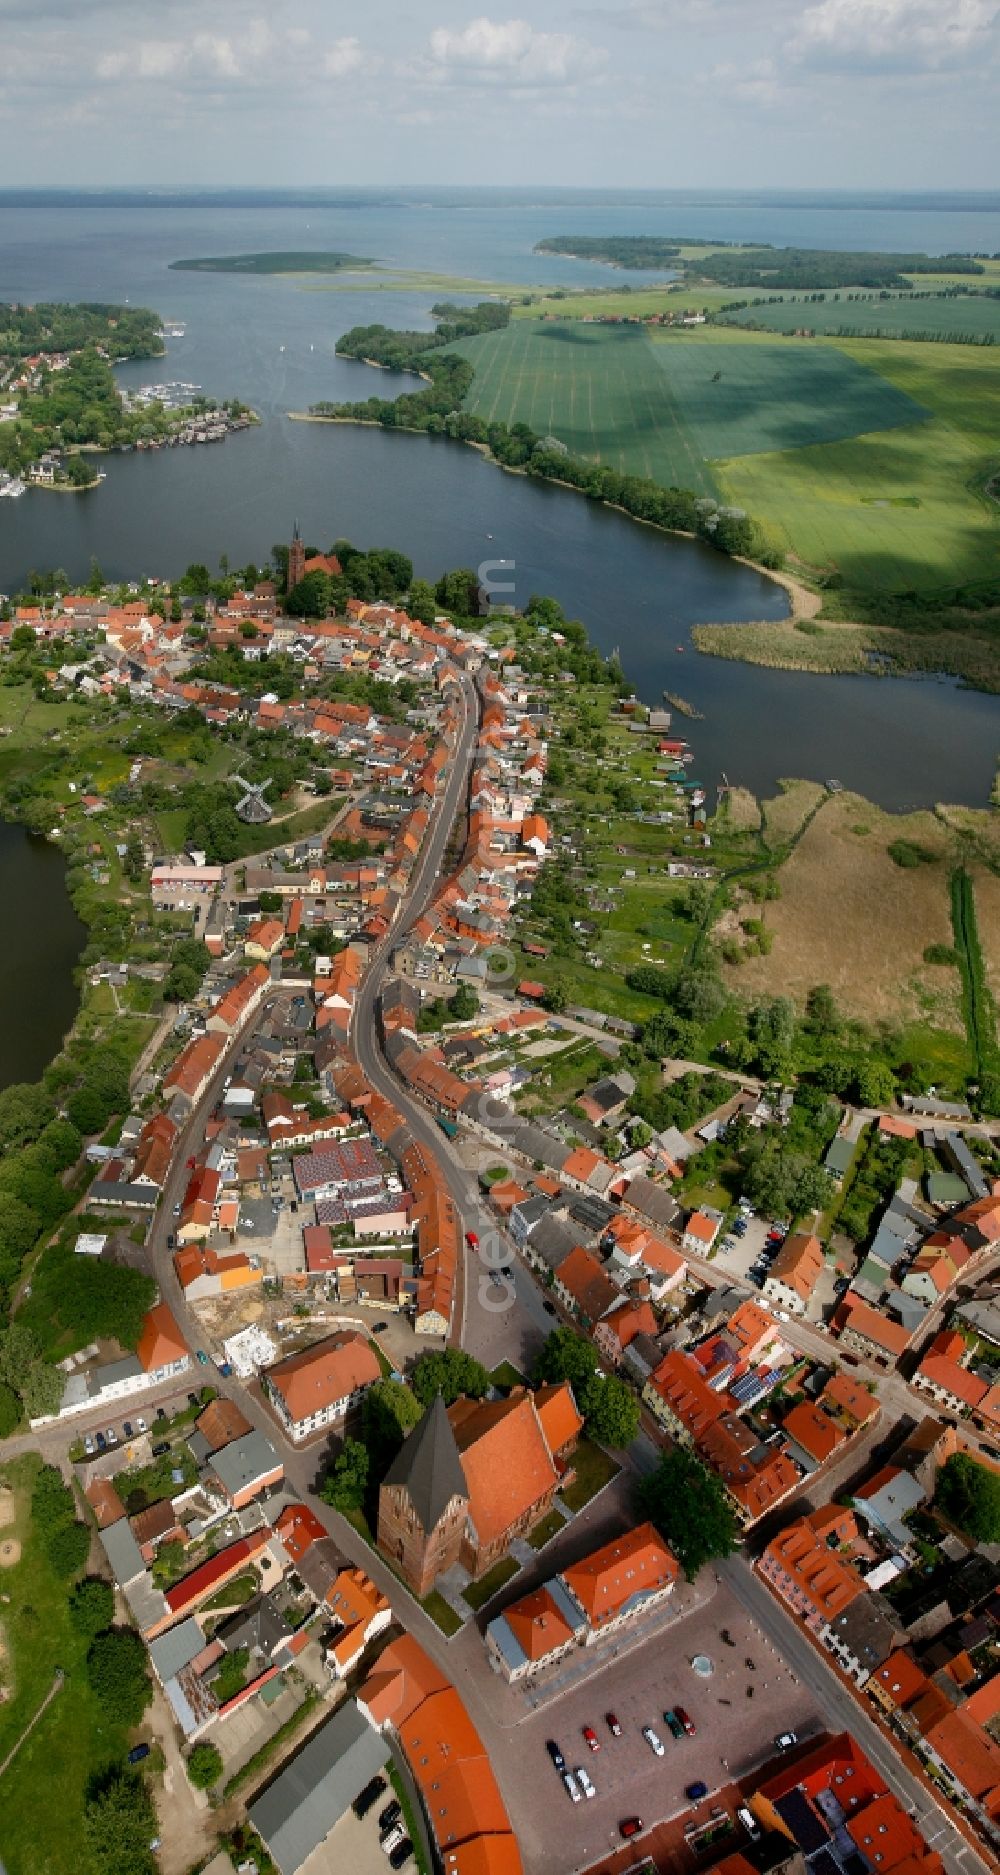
{"points": [[296, 560], [423, 1502]]}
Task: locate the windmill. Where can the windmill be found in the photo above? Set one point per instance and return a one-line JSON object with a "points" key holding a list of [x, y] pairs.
{"points": [[252, 806]]}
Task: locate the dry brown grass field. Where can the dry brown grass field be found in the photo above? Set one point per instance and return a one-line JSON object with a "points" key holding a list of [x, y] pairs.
{"points": [[784, 815], [743, 810], [987, 890], [849, 916]]}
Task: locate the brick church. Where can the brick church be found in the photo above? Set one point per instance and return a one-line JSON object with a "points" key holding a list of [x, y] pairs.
{"points": [[473, 1476], [299, 566]]}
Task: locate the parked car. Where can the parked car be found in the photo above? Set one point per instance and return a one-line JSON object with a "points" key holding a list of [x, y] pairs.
{"points": [[686, 1720], [127, 1429], [88, 1446], [202, 1357], [177, 1210], [572, 1786], [654, 1743], [391, 1839], [786, 1740], [401, 1853], [111, 1436], [555, 1754], [695, 1792], [160, 1450], [750, 1823], [140, 1426], [100, 1441], [137, 1753], [673, 1723], [611, 1721], [585, 1781], [549, 1307], [591, 1737], [171, 1240], [630, 1826], [370, 1795], [391, 1814], [379, 1328], [472, 1240]]}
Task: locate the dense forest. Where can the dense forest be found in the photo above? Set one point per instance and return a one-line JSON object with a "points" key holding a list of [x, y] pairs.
{"points": [[404, 350], [760, 266], [120, 331]]}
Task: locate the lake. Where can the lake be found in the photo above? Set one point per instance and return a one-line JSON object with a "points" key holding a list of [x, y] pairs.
{"points": [[42, 942], [271, 340]]}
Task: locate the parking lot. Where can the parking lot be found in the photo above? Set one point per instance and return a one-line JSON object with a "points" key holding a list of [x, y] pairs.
{"points": [[353, 1844], [734, 1734], [745, 1250]]}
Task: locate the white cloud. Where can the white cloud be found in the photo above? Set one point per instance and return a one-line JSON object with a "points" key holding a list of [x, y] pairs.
{"points": [[346, 57], [510, 52], [894, 35], [211, 57]]}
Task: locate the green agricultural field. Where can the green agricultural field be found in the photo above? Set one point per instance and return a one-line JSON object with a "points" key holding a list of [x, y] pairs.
{"points": [[900, 508], [747, 399], [599, 389], [886, 315]]}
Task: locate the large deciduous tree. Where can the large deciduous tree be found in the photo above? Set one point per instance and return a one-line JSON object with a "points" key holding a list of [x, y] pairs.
{"points": [[688, 1505]]}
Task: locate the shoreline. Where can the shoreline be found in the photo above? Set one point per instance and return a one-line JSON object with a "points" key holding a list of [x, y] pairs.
{"points": [[767, 642], [799, 595]]}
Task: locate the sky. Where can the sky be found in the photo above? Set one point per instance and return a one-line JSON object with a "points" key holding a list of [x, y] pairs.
{"points": [[794, 94]]}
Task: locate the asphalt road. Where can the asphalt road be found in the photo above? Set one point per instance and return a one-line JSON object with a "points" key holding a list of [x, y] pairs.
{"points": [[844, 1713], [522, 1320]]}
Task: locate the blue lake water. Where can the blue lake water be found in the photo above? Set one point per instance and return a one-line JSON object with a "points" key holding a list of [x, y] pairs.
{"points": [[271, 340]]}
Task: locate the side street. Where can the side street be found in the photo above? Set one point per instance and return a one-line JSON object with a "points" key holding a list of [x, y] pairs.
{"points": [[424, 1391]]}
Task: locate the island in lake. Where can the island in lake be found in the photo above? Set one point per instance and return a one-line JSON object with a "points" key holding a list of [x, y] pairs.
{"points": [[60, 402], [291, 262]]}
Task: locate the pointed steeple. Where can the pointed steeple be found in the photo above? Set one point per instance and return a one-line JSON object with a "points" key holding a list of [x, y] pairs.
{"points": [[428, 1466]]}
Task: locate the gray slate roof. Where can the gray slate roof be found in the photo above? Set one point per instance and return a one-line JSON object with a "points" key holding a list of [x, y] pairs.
{"points": [[240, 1464], [429, 1467], [297, 1812]]}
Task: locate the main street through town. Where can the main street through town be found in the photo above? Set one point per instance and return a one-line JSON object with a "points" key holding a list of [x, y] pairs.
{"points": [[794, 1686]]}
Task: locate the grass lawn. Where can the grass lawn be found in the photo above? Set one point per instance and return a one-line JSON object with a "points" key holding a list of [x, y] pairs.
{"points": [[506, 1375], [479, 1593], [599, 389], [441, 1614], [41, 1812], [242, 1589], [549, 1527], [594, 1469]]}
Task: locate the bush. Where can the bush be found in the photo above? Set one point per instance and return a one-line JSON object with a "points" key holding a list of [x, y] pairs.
{"points": [[204, 1766], [940, 954], [908, 853]]}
